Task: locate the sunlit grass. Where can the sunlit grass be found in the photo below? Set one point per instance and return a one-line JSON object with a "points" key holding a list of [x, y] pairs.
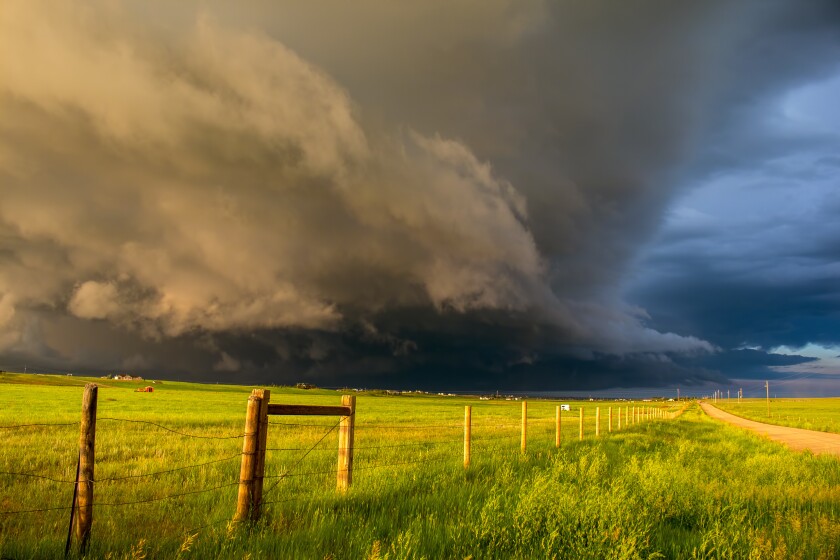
{"points": [[677, 488]]}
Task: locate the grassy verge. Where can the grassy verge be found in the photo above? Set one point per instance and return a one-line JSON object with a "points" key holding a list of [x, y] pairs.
{"points": [[822, 415]]}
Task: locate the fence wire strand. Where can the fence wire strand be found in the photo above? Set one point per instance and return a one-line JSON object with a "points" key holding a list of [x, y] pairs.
{"points": [[14, 426], [167, 497], [237, 436], [305, 454], [167, 471]]}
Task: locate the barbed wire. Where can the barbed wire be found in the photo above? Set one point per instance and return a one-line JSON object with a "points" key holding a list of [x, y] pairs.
{"points": [[14, 426], [161, 426], [167, 471], [9, 473], [39, 510], [361, 468], [167, 497], [305, 454], [409, 426]]}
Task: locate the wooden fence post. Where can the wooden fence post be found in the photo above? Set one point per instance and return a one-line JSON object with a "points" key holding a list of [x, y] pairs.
{"points": [[84, 480], [581, 423], [558, 418], [609, 420], [597, 421], [259, 464], [250, 449], [619, 417], [467, 434], [524, 425], [346, 433]]}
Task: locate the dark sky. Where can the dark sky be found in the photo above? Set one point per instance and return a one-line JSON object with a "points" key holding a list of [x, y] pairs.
{"points": [[522, 195]]}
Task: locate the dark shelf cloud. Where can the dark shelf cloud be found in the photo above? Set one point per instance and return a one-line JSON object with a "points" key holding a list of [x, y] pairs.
{"points": [[524, 195]]}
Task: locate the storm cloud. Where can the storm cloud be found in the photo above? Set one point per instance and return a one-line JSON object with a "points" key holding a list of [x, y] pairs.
{"points": [[427, 194]]}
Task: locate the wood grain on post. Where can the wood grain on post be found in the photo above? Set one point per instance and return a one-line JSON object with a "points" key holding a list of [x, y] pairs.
{"points": [[467, 434], [609, 419], [346, 433], [581, 423], [597, 421], [259, 465], [558, 419], [250, 446], [87, 445], [524, 425]]}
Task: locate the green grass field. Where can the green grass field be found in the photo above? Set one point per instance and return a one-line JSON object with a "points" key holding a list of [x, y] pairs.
{"points": [[683, 488], [811, 414]]}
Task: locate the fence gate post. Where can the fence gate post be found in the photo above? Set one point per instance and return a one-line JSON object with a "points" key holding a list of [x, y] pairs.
{"points": [[259, 463], [581, 423], [84, 480], [250, 448], [558, 419], [609, 420], [524, 425], [345, 444], [467, 434]]}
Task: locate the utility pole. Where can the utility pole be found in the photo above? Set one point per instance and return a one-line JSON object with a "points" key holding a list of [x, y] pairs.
{"points": [[678, 394], [727, 396], [767, 386]]}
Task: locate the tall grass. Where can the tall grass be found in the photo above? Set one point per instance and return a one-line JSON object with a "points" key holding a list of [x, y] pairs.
{"points": [[676, 489]]}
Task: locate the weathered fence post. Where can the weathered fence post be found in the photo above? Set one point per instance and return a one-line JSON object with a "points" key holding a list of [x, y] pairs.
{"points": [[259, 463], [597, 421], [250, 449], [346, 434], [524, 425], [619, 417], [84, 480], [558, 418], [581, 423], [609, 420], [467, 434]]}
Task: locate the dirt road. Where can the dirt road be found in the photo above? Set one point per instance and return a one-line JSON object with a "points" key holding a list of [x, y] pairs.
{"points": [[795, 438]]}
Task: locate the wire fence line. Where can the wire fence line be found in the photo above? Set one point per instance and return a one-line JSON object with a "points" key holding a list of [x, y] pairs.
{"points": [[427, 453], [161, 426], [16, 426]]}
